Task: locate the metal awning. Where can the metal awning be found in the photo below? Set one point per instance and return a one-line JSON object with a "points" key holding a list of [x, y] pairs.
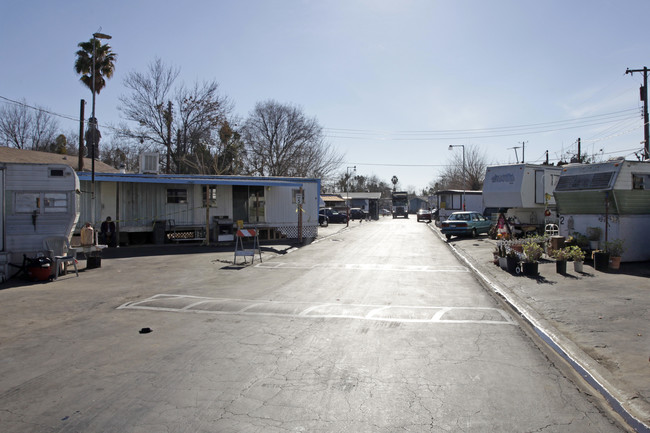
{"points": [[189, 180]]}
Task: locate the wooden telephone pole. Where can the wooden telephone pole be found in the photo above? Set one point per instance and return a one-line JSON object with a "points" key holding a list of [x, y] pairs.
{"points": [[644, 98]]}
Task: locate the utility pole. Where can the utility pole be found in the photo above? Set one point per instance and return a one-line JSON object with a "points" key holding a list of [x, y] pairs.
{"points": [[644, 98], [579, 154], [80, 164], [168, 120]]}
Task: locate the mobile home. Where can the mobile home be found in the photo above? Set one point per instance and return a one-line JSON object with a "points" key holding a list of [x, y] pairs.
{"points": [[612, 196], [524, 192], [165, 208], [38, 201], [450, 201]]}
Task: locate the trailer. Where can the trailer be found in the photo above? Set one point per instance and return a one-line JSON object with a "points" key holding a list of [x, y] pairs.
{"points": [[523, 193], [38, 201], [455, 200], [613, 197], [162, 208]]}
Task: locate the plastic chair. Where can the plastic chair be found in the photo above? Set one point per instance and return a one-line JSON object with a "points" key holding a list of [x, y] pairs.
{"points": [[59, 250]]}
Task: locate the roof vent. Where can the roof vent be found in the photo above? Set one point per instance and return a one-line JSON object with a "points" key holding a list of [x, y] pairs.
{"points": [[150, 163]]}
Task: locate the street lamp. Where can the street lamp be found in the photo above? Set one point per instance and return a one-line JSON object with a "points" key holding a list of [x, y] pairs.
{"points": [[451, 147], [347, 192], [92, 124]]}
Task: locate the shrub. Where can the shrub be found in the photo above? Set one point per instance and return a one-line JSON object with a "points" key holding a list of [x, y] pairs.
{"points": [[532, 252], [576, 254], [561, 254], [614, 247]]}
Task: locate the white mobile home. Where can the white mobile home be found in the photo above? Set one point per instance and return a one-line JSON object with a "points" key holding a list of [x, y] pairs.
{"points": [[524, 191], [450, 201], [175, 206], [612, 196], [38, 201]]}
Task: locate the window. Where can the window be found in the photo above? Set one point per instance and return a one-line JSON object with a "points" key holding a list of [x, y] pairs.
{"points": [[56, 172], [639, 181], [176, 196], [27, 202], [55, 202], [212, 195]]}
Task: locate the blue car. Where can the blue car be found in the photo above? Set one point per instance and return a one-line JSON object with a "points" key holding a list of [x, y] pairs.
{"points": [[465, 224]]}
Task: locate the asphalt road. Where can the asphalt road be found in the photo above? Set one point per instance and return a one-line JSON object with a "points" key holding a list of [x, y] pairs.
{"points": [[374, 329]]}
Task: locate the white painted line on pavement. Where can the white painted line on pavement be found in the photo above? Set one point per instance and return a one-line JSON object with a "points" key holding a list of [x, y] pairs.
{"points": [[384, 313]]}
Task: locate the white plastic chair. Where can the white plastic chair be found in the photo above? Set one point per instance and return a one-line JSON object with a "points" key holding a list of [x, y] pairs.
{"points": [[59, 250]]}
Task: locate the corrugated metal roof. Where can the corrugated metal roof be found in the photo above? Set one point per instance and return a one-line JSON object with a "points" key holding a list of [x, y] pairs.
{"points": [[194, 180]]}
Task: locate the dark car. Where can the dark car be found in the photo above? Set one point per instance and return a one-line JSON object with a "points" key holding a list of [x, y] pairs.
{"points": [[424, 215], [323, 221], [334, 216], [358, 214], [465, 224]]}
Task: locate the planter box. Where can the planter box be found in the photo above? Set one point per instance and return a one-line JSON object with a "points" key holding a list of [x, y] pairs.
{"points": [[601, 261], [530, 269], [511, 264], [560, 267]]}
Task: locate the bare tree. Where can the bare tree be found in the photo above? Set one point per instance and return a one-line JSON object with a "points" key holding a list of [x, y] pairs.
{"points": [[25, 127], [453, 176], [182, 122], [281, 140]]}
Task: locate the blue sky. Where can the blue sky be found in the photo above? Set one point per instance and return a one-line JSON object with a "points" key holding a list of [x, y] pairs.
{"points": [[393, 83]]}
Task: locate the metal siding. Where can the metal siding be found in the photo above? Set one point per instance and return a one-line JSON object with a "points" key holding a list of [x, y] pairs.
{"points": [[582, 202], [24, 235], [633, 202]]}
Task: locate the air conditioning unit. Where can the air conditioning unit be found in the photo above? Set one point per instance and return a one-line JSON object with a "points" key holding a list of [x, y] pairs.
{"points": [[150, 163]]}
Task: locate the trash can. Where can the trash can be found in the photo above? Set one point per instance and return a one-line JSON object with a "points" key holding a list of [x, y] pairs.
{"points": [[159, 227], [557, 242]]}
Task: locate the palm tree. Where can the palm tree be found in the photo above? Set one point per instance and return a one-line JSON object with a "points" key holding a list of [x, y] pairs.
{"points": [[104, 63]]}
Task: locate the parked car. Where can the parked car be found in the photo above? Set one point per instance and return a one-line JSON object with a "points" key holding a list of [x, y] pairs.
{"points": [[334, 216], [384, 212], [357, 213], [424, 215], [323, 220], [465, 224]]}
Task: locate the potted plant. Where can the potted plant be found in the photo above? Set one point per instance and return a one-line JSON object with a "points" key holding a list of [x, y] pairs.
{"points": [[581, 240], [532, 253], [615, 249], [578, 256], [593, 234], [512, 258], [561, 255]]}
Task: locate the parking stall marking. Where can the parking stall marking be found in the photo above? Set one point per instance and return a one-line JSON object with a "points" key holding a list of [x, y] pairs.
{"points": [[324, 310], [363, 267]]}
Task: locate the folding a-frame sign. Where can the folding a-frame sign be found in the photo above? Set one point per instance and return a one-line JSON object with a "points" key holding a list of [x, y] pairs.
{"points": [[239, 245]]}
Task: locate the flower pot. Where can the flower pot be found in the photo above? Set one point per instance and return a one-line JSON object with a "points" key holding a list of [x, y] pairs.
{"points": [[530, 269], [577, 266], [511, 264], [560, 267], [614, 262], [503, 262], [601, 261]]}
